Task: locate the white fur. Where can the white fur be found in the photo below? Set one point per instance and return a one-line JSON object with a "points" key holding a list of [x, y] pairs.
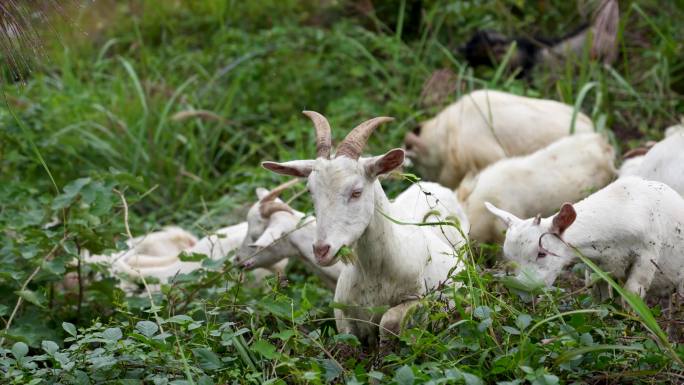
{"points": [[146, 257], [665, 162], [283, 235], [633, 229], [169, 241], [631, 166], [395, 264], [565, 171], [485, 126]]}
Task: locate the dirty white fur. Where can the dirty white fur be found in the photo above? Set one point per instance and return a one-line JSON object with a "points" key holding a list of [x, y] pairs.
{"points": [[395, 264], [147, 257], [283, 235], [633, 229], [565, 171], [485, 126], [665, 162], [171, 240]]}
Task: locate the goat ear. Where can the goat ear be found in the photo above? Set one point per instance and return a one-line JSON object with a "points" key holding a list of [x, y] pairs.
{"points": [[385, 163], [507, 218], [565, 217], [261, 192], [298, 168]]}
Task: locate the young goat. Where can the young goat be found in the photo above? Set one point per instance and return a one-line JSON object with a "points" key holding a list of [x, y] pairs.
{"points": [[483, 127], [394, 264], [565, 171], [276, 231], [633, 229]]}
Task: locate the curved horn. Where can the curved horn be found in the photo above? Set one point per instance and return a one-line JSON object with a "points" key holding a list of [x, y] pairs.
{"points": [[323, 138], [273, 194], [353, 143], [267, 209]]}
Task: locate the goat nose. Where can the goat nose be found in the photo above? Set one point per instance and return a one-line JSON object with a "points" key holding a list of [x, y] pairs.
{"points": [[320, 250]]}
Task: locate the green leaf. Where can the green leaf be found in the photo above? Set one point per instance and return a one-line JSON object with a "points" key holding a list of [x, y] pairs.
{"points": [[74, 187], [404, 376], [511, 330], [69, 328], [19, 350], [349, 339], [482, 312], [112, 334], [49, 347], [284, 335], [523, 321], [32, 297], [332, 370], [528, 280], [265, 349], [180, 319], [191, 257], [207, 359], [471, 379], [147, 328]]}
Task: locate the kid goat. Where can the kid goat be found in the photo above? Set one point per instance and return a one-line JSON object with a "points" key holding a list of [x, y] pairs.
{"points": [[633, 229], [395, 264]]}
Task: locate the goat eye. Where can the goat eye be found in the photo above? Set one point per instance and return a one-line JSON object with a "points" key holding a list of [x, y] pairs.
{"points": [[541, 254], [355, 194]]}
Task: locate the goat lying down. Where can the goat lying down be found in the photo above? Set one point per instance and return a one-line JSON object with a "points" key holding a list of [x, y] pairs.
{"points": [[633, 229], [488, 48], [664, 162], [565, 171], [483, 127], [156, 255], [394, 264], [276, 232]]}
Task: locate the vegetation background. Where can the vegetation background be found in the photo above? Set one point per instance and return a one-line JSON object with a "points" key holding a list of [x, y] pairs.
{"points": [[102, 108]]}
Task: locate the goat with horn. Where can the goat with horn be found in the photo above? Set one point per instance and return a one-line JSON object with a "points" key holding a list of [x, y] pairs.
{"points": [[275, 232], [394, 264]]}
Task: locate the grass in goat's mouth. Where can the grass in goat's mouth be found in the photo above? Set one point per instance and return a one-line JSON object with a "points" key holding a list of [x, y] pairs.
{"points": [[346, 255]]}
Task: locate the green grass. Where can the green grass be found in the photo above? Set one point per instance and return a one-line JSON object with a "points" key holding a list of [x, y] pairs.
{"points": [[102, 105]]}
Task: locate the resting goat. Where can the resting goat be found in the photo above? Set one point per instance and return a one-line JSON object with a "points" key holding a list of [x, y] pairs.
{"points": [[276, 231], [633, 229], [394, 264], [565, 171], [663, 162], [488, 48], [483, 127]]}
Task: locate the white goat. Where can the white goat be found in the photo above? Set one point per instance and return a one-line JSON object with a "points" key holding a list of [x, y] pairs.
{"points": [[632, 159], [664, 162], [394, 263], [483, 127], [565, 171], [276, 231], [171, 240], [632, 228], [147, 259]]}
